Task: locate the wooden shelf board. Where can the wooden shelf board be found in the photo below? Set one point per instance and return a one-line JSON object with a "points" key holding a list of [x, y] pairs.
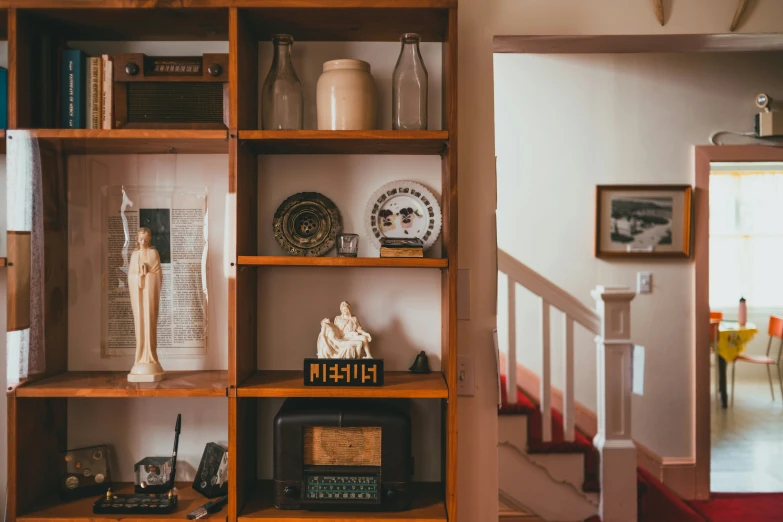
{"points": [[357, 22], [428, 506], [398, 385], [102, 21], [208, 383], [346, 142], [81, 510], [638, 43], [373, 262], [131, 141]]}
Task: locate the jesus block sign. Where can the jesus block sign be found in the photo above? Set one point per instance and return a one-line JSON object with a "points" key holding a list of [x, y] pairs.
{"points": [[343, 372]]}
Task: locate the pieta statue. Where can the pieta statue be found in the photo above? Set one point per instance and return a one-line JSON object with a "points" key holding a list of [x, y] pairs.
{"points": [[144, 283], [344, 338]]}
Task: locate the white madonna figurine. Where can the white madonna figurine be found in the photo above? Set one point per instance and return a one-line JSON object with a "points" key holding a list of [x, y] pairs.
{"points": [[144, 282], [343, 339]]}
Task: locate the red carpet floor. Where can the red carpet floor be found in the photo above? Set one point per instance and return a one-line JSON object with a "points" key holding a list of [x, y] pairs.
{"points": [[742, 507]]}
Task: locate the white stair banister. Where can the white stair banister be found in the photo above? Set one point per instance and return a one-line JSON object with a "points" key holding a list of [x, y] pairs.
{"points": [[511, 356], [569, 421], [614, 351], [546, 372]]}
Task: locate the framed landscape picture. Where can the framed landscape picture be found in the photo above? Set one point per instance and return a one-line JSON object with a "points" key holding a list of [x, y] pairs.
{"points": [[643, 221]]}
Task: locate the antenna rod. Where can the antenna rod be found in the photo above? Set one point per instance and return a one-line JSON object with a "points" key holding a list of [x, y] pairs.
{"points": [[174, 454]]}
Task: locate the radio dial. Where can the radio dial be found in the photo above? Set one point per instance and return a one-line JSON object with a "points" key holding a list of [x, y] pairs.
{"points": [[291, 492], [131, 69], [214, 69]]}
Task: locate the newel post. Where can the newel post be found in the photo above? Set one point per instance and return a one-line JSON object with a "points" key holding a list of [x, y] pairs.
{"points": [[614, 351]]}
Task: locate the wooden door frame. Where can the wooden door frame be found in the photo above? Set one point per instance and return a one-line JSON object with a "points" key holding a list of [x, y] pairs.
{"points": [[704, 156]]}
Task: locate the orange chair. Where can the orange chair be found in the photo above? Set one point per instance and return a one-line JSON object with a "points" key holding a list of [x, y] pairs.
{"points": [[775, 332], [715, 319]]}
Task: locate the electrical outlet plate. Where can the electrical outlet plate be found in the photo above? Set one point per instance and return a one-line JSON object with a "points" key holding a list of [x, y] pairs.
{"points": [[643, 282], [466, 375]]}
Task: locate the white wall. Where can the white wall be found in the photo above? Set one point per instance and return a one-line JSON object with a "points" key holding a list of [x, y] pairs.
{"points": [[479, 20], [567, 123]]}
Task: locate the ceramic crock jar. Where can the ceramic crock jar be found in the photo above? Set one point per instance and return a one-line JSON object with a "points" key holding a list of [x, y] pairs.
{"points": [[346, 97]]}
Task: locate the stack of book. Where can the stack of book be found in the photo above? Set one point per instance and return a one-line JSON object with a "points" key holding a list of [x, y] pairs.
{"points": [[86, 91], [402, 247]]}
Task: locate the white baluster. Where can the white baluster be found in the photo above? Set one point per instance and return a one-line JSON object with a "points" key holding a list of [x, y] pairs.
{"points": [[511, 356], [546, 387], [613, 440], [568, 379]]}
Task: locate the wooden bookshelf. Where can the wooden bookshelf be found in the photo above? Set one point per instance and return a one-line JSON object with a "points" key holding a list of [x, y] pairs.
{"points": [[38, 408], [2, 142], [346, 142], [427, 507], [115, 384], [397, 385], [367, 262], [81, 510]]}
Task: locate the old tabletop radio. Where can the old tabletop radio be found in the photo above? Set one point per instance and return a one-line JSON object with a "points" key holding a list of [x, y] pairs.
{"points": [[347, 454], [171, 92]]}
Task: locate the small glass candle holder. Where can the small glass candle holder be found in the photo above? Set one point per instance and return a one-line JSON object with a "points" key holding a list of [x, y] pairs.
{"points": [[347, 245]]}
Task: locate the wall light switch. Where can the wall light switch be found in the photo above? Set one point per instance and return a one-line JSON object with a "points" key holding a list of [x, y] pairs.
{"points": [[466, 375], [643, 282]]}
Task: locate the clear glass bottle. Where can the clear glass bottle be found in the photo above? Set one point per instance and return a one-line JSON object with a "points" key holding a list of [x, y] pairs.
{"points": [[409, 87], [282, 102]]}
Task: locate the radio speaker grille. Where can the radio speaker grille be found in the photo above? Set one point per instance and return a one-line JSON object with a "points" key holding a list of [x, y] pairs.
{"points": [[331, 446], [175, 102]]}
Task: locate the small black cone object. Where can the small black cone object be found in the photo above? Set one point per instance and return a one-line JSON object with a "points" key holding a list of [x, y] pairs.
{"points": [[421, 364]]}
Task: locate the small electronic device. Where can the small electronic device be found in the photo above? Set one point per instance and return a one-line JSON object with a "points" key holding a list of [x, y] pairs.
{"points": [[212, 474], [143, 503], [85, 472], [768, 122], [171, 92], [347, 454]]}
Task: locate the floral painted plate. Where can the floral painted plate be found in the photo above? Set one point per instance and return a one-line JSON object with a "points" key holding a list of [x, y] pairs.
{"points": [[403, 209]]}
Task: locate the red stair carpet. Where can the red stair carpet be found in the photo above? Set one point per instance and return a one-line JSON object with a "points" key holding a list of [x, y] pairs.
{"points": [[656, 502]]}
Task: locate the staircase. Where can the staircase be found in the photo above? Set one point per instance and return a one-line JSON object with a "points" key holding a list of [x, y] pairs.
{"points": [[547, 468]]}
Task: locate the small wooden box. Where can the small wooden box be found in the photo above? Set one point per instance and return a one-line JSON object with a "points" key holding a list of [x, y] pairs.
{"points": [[343, 372]]}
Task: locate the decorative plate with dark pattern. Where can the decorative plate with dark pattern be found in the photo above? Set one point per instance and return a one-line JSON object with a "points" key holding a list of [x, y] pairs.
{"points": [[306, 224], [403, 209]]}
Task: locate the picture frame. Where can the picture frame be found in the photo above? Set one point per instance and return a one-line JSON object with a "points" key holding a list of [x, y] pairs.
{"points": [[650, 221]]}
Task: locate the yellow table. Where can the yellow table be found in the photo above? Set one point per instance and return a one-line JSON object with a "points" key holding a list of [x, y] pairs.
{"points": [[732, 339]]}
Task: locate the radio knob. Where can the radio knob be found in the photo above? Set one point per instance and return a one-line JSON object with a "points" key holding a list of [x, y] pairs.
{"points": [[391, 494], [291, 492], [214, 69], [131, 69]]}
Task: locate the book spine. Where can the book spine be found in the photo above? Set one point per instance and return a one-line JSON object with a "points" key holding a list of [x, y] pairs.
{"points": [[73, 79], [3, 98], [94, 93], [107, 110]]}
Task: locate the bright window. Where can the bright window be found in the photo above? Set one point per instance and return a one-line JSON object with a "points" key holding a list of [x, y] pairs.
{"points": [[746, 238]]}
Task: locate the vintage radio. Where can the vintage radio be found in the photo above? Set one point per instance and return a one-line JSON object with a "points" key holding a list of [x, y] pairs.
{"points": [[347, 454], [171, 92]]}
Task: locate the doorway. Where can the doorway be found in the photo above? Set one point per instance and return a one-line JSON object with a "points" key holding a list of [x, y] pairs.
{"points": [[737, 443]]}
